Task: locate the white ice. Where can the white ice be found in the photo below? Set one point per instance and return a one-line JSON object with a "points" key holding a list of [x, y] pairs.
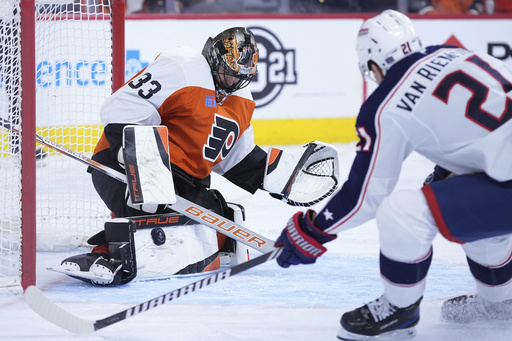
{"points": [[264, 303]]}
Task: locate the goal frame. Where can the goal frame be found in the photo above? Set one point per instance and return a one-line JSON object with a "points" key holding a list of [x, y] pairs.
{"points": [[28, 122]]}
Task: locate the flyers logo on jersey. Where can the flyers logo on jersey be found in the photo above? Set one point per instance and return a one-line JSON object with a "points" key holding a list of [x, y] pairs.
{"points": [[224, 134]]}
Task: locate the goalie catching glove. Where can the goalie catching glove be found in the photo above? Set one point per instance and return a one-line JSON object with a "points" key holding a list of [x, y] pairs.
{"points": [[301, 240], [304, 177]]}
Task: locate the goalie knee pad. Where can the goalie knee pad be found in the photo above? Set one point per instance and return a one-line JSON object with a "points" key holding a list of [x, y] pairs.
{"points": [[160, 246], [176, 249], [146, 247]]}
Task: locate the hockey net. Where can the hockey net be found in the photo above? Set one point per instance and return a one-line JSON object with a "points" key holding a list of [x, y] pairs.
{"points": [[74, 60]]}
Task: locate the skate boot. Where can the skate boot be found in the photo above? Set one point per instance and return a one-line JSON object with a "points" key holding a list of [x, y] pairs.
{"points": [[471, 308], [380, 320], [94, 268]]}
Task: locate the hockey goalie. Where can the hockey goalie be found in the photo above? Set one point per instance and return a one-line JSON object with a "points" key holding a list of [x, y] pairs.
{"points": [[152, 246], [184, 116]]}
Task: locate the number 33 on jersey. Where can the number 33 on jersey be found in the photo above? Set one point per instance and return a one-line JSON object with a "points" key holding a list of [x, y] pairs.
{"points": [[177, 91]]}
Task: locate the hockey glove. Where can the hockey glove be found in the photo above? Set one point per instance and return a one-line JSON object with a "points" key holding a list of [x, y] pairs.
{"points": [[301, 240]]}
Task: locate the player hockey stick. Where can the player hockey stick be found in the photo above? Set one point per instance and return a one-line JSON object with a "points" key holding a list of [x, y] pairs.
{"points": [[182, 205], [52, 312]]}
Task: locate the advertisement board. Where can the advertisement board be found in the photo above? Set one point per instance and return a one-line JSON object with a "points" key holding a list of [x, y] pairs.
{"points": [[308, 85]]}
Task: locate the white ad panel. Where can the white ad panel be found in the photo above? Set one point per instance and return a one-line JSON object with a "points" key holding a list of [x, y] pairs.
{"points": [[307, 67], [73, 71], [493, 36]]}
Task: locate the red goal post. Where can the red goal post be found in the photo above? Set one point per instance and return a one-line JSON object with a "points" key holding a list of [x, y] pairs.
{"points": [[59, 60]]}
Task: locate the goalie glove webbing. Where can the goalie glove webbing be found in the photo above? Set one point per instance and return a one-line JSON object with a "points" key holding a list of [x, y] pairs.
{"points": [[302, 178]]}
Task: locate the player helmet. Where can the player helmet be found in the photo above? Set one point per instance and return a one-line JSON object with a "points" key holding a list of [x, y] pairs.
{"points": [[384, 40], [232, 56]]}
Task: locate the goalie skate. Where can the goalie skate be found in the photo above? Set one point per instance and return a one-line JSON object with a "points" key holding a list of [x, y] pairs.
{"points": [[90, 267], [471, 308], [380, 320]]}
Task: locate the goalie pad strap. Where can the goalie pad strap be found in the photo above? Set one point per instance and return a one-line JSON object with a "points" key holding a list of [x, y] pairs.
{"points": [[121, 247]]}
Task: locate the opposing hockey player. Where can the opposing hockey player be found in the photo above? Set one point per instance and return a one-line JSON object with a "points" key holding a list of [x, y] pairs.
{"points": [[200, 104], [452, 106]]}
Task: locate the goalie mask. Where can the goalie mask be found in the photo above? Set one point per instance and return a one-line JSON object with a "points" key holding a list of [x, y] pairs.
{"points": [[232, 56], [384, 40]]}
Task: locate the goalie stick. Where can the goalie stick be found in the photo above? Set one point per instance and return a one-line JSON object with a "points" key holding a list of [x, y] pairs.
{"points": [[182, 205], [50, 311]]}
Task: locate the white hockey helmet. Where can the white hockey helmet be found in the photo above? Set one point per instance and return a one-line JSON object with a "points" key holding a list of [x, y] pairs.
{"points": [[384, 40]]}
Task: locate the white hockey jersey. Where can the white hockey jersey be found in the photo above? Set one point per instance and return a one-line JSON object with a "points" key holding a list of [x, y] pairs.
{"points": [[448, 104], [177, 90]]}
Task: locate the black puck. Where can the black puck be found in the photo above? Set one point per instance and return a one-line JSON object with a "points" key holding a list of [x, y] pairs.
{"points": [[158, 236]]}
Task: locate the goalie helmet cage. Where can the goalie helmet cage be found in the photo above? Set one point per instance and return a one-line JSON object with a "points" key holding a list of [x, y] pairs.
{"points": [[59, 60]]}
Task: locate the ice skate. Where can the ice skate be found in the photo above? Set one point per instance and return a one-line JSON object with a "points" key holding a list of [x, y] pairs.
{"points": [[380, 320], [471, 308], [91, 268]]}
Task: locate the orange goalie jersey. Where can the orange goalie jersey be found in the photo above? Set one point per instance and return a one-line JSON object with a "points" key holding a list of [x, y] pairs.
{"points": [[177, 91]]}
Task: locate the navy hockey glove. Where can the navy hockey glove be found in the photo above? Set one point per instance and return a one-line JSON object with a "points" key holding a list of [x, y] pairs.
{"points": [[301, 240]]}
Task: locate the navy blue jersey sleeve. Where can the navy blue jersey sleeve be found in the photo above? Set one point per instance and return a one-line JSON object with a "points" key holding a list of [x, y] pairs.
{"points": [[381, 150]]}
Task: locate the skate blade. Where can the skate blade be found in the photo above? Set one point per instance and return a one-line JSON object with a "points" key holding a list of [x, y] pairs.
{"points": [[97, 278], [399, 334]]}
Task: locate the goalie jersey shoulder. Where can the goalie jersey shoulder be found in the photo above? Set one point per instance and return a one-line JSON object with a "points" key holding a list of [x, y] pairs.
{"points": [[177, 90]]}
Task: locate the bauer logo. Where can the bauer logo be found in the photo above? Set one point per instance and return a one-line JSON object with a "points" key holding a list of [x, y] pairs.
{"points": [[276, 67]]}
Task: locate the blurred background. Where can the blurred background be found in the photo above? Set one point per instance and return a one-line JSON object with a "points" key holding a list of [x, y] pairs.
{"points": [[424, 7]]}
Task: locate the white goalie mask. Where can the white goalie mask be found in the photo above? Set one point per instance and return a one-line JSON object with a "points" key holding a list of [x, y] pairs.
{"points": [[384, 40]]}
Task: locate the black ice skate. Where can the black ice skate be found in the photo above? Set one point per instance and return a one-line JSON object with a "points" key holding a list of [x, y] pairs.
{"points": [[91, 268], [471, 308], [380, 320]]}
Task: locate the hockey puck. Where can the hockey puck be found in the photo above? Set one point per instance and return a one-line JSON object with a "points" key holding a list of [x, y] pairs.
{"points": [[158, 236]]}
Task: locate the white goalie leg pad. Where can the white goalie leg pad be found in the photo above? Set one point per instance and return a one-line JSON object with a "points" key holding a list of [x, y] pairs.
{"points": [[241, 251], [147, 208], [147, 165], [302, 177], [164, 251]]}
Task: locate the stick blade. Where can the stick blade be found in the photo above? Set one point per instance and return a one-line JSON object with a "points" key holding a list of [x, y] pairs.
{"points": [[50, 311]]}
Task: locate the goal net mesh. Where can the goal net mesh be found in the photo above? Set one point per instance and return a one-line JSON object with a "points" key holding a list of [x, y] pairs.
{"points": [[73, 53]]}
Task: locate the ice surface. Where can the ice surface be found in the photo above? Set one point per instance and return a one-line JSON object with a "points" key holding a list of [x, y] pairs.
{"points": [[264, 303]]}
